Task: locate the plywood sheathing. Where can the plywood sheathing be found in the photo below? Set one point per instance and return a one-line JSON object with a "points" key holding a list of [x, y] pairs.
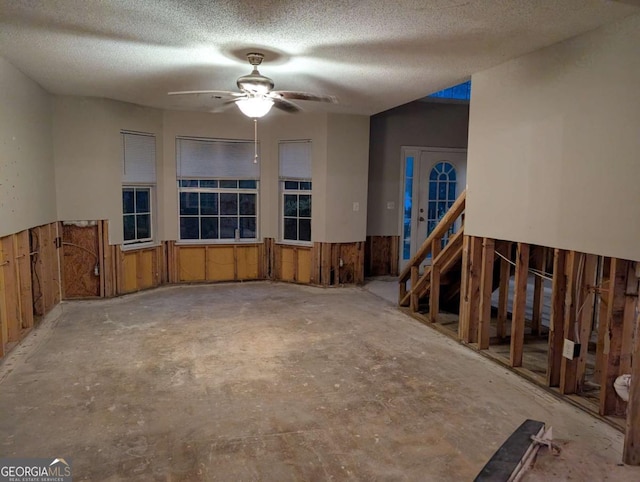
{"points": [[381, 255], [80, 258]]}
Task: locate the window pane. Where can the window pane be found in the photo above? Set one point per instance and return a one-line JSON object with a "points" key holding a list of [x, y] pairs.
{"points": [[304, 205], [188, 183], [432, 210], [248, 227], [408, 172], [142, 200], [452, 190], [247, 204], [442, 190], [290, 205], [209, 228], [127, 201], [229, 203], [228, 228], [291, 185], [248, 184], [305, 186], [304, 230], [188, 203], [433, 189], [208, 203], [291, 229], [229, 184], [143, 222], [208, 183], [189, 228], [129, 228]]}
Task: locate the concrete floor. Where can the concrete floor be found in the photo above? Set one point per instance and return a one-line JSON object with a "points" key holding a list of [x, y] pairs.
{"points": [[265, 381]]}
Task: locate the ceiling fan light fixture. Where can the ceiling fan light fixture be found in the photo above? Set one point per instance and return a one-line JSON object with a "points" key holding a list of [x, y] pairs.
{"points": [[255, 107]]}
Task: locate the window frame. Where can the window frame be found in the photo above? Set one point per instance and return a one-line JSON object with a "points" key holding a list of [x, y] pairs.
{"points": [[296, 192], [218, 190], [139, 242]]}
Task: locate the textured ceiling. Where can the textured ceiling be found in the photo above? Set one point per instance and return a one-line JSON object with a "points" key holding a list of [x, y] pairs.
{"points": [[373, 55]]}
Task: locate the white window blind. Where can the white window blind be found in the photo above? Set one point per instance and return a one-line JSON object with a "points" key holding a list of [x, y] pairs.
{"points": [[216, 159], [295, 160], [139, 163]]}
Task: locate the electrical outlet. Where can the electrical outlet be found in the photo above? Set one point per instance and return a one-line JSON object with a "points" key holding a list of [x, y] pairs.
{"points": [[391, 205], [356, 206], [567, 349], [570, 349]]}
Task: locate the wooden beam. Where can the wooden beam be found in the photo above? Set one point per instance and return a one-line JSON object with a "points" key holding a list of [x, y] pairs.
{"points": [[609, 402], [538, 290], [585, 315], [503, 290], [473, 293], [602, 316], [556, 325], [23, 274], [463, 320], [519, 303], [486, 288], [414, 299], [434, 293], [631, 451], [629, 319], [568, 368]]}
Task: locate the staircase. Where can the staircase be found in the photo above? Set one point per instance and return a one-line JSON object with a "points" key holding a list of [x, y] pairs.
{"points": [[439, 284]]}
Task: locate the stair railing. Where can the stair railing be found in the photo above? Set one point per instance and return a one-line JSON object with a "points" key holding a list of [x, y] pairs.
{"points": [[409, 296]]}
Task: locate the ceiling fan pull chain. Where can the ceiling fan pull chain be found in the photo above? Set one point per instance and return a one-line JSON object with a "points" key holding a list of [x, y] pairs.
{"points": [[255, 140]]}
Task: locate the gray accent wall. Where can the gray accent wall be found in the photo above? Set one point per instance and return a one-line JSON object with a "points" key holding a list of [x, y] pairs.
{"points": [[418, 124]]}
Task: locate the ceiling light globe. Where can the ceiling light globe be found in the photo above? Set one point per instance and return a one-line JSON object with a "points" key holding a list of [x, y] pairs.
{"points": [[255, 107]]}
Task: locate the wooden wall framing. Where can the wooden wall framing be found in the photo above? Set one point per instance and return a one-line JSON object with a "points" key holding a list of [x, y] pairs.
{"points": [[29, 281], [592, 298], [382, 255]]}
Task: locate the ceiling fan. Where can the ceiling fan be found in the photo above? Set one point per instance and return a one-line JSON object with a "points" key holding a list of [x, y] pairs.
{"points": [[256, 96]]}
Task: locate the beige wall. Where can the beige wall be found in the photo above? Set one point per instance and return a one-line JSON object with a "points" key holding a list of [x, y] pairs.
{"points": [[27, 191], [347, 171], [418, 124], [88, 163], [88, 156], [554, 145]]}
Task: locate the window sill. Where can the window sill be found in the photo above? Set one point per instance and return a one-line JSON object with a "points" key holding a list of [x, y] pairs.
{"points": [[298, 244], [139, 246], [217, 242]]}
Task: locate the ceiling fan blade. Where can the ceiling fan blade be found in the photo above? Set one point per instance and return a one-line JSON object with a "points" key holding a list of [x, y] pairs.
{"points": [[214, 93], [288, 94], [285, 105]]}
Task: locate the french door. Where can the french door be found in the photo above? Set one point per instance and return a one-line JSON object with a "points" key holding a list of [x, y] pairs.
{"points": [[432, 179]]}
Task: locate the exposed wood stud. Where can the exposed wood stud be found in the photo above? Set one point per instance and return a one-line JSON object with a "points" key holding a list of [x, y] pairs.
{"points": [[602, 315], [609, 402], [486, 288], [475, 271], [414, 300], [585, 315], [631, 451], [538, 290], [568, 368], [519, 303], [463, 323], [556, 325], [503, 290]]}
